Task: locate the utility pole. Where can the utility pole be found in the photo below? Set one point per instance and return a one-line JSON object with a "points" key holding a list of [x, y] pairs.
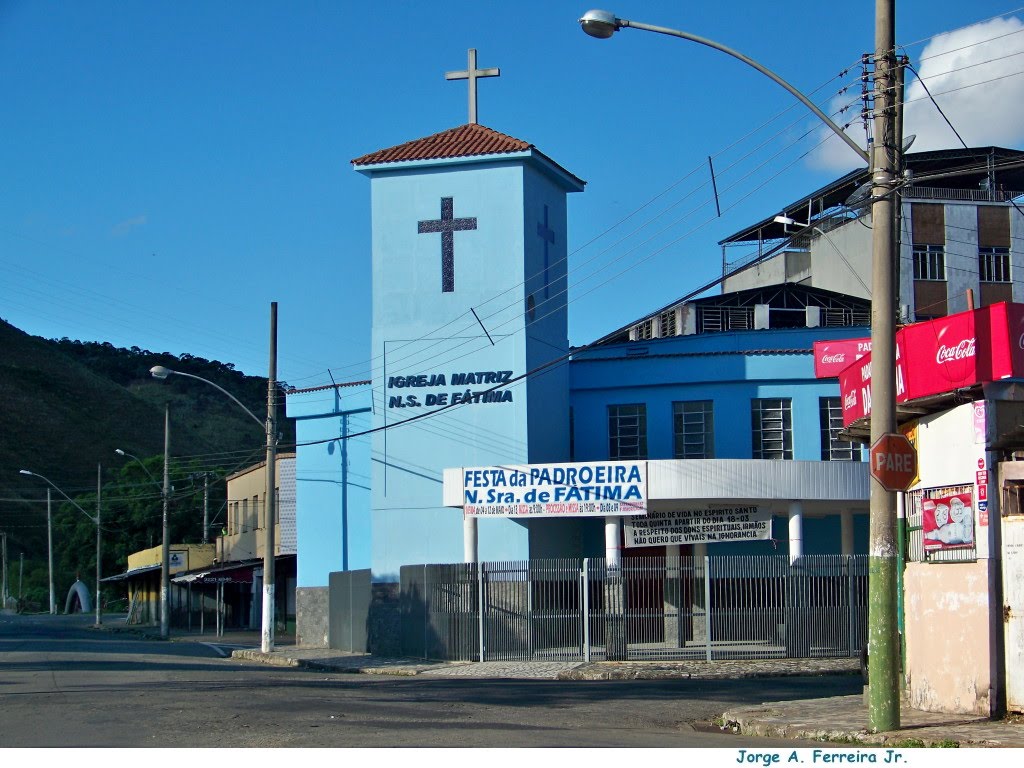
{"points": [[21, 576], [267, 634], [3, 554], [99, 548], [883, 635], [165, 547], [49, 550], [206, 508]]}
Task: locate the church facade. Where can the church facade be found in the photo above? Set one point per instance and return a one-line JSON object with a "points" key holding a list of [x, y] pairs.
{"points": [[472, 368]]}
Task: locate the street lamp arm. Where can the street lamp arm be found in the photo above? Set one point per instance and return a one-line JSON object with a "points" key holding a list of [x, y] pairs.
{"points": [[619, 23], [161, 373], [140, 463], [58, 490]]}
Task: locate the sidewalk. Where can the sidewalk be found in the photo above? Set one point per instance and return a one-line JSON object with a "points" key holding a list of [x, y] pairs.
{"points": [[841, 719]]}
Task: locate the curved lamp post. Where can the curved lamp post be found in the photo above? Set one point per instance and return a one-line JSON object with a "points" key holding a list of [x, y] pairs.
{"points": [[883, 635], [96, 520], [270, 425], [165, 542], [604, 24]]}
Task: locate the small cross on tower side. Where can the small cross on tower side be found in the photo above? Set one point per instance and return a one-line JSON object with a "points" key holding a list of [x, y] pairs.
{"points": [[471, 73]]}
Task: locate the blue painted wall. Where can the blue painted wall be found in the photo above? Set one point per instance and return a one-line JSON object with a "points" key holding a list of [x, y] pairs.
{"points": [[332, 481], [429, 337], [730, 369]]}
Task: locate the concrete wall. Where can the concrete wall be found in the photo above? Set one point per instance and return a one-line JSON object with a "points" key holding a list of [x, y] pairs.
{"points": [[948, 636], [311, 617], [952, 624]]}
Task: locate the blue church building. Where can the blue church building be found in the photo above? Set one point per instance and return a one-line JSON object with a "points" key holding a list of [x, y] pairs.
{"points": [[472, 368]]}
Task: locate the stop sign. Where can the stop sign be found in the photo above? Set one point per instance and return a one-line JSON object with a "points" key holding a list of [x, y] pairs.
{"points": [[893, 462]]}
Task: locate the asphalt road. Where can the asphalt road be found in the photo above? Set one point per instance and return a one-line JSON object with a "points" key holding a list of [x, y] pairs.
{"points": [[63, 684]]}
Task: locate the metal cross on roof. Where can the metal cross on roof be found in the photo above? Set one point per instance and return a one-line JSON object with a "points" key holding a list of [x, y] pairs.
{"points": [[471, 73]]}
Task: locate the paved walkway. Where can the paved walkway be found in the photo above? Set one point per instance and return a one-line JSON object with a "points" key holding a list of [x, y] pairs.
{"points": [[836, 719]]}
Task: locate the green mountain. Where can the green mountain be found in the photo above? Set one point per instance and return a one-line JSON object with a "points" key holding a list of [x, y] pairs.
{"points": [[68, 404]]}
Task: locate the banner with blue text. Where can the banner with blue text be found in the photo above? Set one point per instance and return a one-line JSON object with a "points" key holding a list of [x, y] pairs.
{"points": [[586, 489]]}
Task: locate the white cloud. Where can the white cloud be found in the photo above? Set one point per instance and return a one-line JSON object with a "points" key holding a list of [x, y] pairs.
{"points": [[126, 226], [975, 74]]}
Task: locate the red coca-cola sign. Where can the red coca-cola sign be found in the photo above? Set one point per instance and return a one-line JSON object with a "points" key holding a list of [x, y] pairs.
{"points": [[963, 350], [830, 357], [944, 355]]}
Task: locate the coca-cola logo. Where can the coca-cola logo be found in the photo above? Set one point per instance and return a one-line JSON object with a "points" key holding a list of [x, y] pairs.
{"points": [[1020, 342], [850, 401], [838, 357], [964, 349]]}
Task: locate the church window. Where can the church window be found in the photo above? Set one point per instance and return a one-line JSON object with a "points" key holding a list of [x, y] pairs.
{"points": [[693, 429], [772, 426], [667, 321], [832, 448], [645, 330], [627, 432]]}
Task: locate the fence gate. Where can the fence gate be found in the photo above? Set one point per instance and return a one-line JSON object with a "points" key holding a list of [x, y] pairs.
{"points": [[730, 607], [349, 610], [1013, 609]]}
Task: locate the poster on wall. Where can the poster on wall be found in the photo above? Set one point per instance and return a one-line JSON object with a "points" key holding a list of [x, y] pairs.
{"points": [[947, 522], [701, 525]]}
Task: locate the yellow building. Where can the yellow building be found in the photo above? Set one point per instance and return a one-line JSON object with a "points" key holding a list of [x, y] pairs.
{"points": [[143, 579]]}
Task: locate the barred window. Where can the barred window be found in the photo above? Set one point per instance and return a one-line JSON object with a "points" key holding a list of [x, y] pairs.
{"points": [[994, 264], [694, 432], [645, 330], [772, 427], [929, 262], [832, 448], [627, 432], [667, 323]]}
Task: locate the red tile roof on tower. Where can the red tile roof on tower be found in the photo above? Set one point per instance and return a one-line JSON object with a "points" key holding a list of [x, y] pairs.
{"points": [[463, 141]]}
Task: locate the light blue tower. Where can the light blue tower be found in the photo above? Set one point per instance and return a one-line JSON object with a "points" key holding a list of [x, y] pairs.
{"points": [[469, 296]]}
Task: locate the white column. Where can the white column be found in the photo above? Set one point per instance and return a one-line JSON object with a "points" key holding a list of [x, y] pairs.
{"points": [[846, 531], [470, 541], [671, 599], [698, 610], [796, 530], [612, 537]]}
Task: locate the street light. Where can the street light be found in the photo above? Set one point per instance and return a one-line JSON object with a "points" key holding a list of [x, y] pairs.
{"points": [[270, 425], [883, 637], [604, 24], [96, 520], [165, 544]]}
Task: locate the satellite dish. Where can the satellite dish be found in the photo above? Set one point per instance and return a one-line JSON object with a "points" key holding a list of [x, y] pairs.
{"points": [[907, 141], [861, 196]]}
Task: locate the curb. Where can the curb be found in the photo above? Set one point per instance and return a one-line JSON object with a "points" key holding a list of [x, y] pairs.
{"points": [[315, 666], [748, 724], [647, 674]]}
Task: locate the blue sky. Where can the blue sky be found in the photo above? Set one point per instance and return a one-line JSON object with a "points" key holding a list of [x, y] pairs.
{"points": [[170, 168]]}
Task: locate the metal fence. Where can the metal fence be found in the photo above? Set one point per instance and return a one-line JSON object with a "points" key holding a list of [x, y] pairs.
{"points": [[729, 607]]}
